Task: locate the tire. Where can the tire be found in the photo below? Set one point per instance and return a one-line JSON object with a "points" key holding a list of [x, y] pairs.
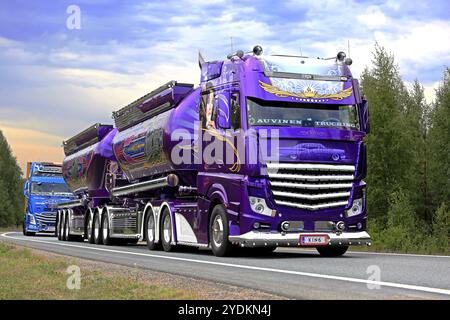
{"points": [[25, 232], [166, 231], [67, 236], [97, 229], [332, 251], [63, 227], [150, 232], [106, 238], [59, 226], [219, 231], [89, 228]]}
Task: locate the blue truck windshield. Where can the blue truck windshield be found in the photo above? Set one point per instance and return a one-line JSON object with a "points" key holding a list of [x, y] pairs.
{"points": [[50, 188], [286, 114]]}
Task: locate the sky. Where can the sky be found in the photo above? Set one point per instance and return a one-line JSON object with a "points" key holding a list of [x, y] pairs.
{"points": [[58, 76]]}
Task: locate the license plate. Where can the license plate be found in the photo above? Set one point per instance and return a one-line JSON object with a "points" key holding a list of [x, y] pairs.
{"points": [[313, 240]]}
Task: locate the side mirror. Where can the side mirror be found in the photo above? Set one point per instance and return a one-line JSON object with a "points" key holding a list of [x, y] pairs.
{"points": [[26, 191], [365, 123], [223, 110]]}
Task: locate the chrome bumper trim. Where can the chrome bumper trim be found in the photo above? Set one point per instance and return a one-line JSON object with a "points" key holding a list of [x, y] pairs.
{"points": [[261, 239]]}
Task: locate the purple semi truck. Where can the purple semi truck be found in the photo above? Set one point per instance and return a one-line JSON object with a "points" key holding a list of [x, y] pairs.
{"points": [[267, 152]]}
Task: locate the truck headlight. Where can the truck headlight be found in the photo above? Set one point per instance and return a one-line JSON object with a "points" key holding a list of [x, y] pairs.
{"points": [[357, 208], [259, 206], [31, 219]]}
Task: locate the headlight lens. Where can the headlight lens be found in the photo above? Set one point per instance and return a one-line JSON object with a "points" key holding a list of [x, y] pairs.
{"points": [[357, 208], [31, 219], [259, 206]]}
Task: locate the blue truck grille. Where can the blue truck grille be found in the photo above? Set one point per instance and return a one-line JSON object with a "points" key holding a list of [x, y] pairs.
{"points": [[310, 186], [46, 218]]}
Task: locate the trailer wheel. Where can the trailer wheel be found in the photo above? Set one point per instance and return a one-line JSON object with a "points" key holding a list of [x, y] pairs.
{"points": [[106, 232], [97, 229], [90, 229], [150, 232], [166, 231], [332, 251], [218, 232]]}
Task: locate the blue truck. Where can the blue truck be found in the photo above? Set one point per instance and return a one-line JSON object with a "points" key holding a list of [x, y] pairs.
{"points": [[44, 188]]}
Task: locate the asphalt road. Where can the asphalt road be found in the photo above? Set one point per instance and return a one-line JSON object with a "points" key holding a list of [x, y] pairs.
{"points": [[292, 273]]}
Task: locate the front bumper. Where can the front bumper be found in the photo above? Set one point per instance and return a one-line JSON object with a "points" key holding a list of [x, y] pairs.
{"points": [[262, 239]]}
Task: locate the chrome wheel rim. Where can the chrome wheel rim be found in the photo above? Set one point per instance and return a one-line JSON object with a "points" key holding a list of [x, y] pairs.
{"points": [[58, 226], [150, 229], [167, 229], [96, 227], [105, 228], [89, 227], [217, 231], [66, 229]]}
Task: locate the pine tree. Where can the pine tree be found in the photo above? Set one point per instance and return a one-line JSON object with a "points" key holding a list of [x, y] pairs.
{"points": [[438, 140], [416, 122], [389, 153], [11, 198]]}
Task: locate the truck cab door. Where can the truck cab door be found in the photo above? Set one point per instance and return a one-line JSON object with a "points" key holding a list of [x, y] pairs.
{"points": [[221, 129]]}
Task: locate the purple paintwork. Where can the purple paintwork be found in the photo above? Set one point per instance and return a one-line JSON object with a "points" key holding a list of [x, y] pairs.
{"points": [[143, 151]]}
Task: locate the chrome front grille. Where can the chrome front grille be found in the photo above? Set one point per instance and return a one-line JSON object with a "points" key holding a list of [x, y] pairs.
{"points": [[310, 186], [46, 218]]}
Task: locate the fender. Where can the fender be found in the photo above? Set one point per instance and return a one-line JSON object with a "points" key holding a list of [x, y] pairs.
{"points": [[217, 192]]}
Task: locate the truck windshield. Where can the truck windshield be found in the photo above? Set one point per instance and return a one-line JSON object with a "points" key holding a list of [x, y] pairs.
{"points": [[287, 114], [50, 188]]}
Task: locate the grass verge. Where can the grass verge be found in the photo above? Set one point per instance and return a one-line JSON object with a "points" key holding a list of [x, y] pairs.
{"points": [[25, 275]]}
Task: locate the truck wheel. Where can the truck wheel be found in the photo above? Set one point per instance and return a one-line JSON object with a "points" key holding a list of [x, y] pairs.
{"points": [[59, 226], [105, 227], [63, 227], [332, 251], [218, 232], [25, 232], [97, 229], [150, 232], [166, 231], [66, 227], [90, 229]]}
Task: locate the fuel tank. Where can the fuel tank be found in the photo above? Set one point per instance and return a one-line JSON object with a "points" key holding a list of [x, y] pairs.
{"points": [[87, 155], [144, 145]]}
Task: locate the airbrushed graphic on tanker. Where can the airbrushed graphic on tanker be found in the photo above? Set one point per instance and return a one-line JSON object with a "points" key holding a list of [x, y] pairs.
{"points": [[267, 151], [75, 167]]}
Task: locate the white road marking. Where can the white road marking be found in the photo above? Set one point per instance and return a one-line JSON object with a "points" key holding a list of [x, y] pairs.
{"points": [[374, 253], [240, 266]]}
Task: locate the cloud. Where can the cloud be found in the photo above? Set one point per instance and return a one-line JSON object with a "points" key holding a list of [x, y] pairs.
{"points": [[57, 82], [30, 145]]}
